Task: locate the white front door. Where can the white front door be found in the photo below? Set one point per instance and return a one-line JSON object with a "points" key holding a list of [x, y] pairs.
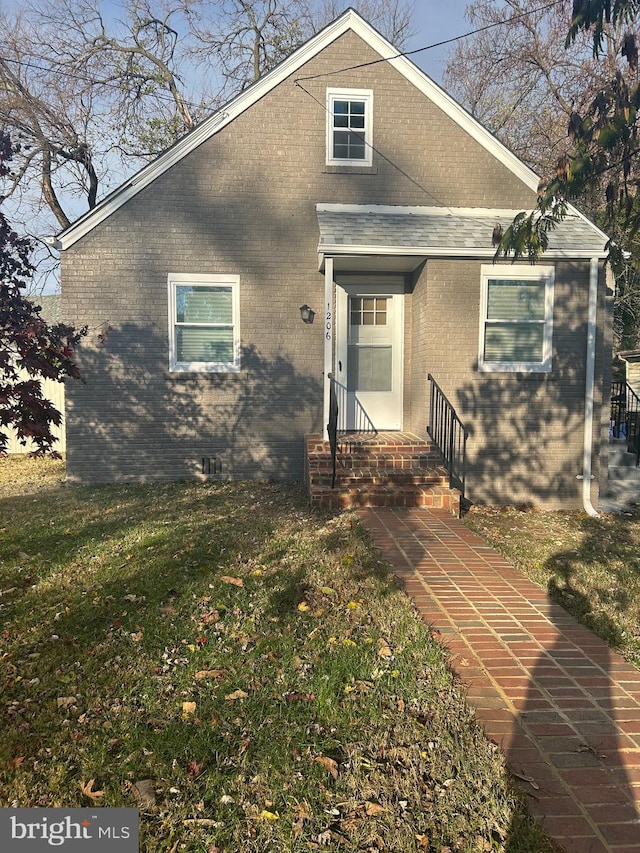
{"points": [[369, 356]]}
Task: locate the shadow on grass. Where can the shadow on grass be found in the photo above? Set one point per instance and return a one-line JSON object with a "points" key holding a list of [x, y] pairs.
{"points": [[606, 542], [574, 702]]}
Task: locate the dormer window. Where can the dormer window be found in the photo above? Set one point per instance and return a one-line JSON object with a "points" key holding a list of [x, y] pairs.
{"points": [[349, 127]]}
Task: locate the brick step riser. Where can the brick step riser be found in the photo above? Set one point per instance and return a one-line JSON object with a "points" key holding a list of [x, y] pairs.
{"points": [[425, 478], [376, 450], [335, 500], [417, 464]]}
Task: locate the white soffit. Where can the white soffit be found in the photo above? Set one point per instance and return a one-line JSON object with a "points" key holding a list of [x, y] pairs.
{"points": [[350, 20]]}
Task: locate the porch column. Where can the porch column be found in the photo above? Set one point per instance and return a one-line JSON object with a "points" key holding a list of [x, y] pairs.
{"points": [[329, 322]]}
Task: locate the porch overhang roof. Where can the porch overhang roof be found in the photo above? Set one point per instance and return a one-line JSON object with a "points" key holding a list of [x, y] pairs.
{"points": [[398, 239]]}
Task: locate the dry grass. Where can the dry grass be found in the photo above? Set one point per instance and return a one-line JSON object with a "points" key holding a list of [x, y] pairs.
{"points": [[24, 475]]}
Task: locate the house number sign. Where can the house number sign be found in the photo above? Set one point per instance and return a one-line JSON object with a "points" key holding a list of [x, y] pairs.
{"points": [[329, 322]]}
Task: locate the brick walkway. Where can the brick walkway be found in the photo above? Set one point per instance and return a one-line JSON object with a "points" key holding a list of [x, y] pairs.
{"points": [[562, 705]]}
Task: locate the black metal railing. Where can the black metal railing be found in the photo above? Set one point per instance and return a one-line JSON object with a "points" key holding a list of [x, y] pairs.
{"points": [[624, 420], [449, 435], [332, 426]]}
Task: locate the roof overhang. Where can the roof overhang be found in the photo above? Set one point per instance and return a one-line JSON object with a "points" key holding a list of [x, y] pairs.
{"points": [[394, 238], [372, 259], [632, 356]]}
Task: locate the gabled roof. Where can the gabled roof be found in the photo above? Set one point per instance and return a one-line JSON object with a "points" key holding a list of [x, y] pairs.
{"points": [[427, 232], [349, 20]]}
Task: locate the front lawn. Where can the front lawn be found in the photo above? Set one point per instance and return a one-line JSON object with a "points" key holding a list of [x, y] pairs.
{"points": [[243, 671]]}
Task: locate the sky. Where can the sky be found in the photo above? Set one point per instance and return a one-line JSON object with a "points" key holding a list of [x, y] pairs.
{"points": [[435, 21]]}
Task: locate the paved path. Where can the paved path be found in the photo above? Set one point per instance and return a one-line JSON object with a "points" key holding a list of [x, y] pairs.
{"points": [[562, 705]]}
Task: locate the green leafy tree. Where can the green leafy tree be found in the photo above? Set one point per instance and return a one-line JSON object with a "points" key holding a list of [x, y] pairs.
{"points": [[599, 167], [30, 349]]}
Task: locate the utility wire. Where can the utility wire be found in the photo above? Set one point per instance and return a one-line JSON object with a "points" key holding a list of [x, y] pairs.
{"points": [[373, 148], [106, 83], [408, 53]]}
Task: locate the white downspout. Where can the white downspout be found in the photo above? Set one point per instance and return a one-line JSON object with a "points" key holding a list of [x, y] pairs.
{"points": [[589, 389], [328, 333]]}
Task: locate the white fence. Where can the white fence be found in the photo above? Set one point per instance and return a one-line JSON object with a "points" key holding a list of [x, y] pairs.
{"points": [[53, 391]]}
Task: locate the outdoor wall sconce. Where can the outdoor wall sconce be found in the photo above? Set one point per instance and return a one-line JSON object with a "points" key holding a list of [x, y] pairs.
{"points": [[307, 313]]}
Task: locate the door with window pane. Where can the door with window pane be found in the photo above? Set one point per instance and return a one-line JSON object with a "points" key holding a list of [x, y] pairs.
{"points": [[369, 357]]}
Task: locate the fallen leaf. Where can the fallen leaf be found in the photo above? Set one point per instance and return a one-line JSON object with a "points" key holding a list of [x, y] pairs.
{"points": [[194, 769], [188, 708], [211, 616], [528, 779], [234, 581], [87, 790], [144, 790], [329, 765], [210, 673], [303, 811], [384, 649], [303, 606], [66, 701], [237, 694], [373, 809], [267, 815], [423, 841], [297, 828], [16, 762]]}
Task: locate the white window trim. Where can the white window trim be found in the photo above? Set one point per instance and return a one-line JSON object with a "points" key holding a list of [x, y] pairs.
{"points": [[203, 279], [365, 95], [518, 273]]}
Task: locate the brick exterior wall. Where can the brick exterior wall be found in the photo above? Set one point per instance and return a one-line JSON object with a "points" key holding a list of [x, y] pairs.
{"points": [[243, 203], [525, 430]]}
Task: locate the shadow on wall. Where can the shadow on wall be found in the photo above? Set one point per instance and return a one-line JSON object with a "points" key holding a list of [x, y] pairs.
{"points": [[133, 420], [525, 437], [527, 429]]}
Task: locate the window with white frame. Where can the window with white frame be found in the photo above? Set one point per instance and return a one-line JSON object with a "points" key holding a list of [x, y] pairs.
{"points": [[204, 328], [516, 318], [349, 127]]}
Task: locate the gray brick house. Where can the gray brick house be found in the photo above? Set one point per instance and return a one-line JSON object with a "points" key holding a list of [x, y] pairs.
{"points": [[357, 187]]}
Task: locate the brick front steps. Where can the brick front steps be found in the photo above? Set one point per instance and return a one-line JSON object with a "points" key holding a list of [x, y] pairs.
{"points": [[388, 469]]}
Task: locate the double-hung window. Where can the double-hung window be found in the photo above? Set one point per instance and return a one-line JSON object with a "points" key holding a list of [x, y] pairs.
{"points": [[204, 331], [516, 318], [349, 127]]}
